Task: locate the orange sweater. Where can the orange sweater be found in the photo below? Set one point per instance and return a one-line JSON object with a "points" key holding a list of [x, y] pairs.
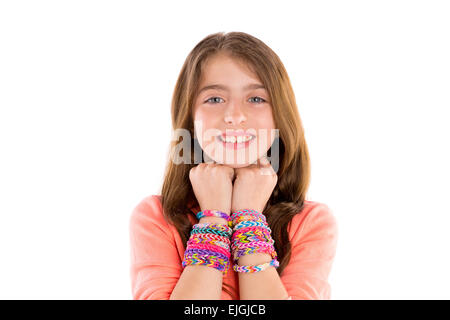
{"points": [[157, 252]]}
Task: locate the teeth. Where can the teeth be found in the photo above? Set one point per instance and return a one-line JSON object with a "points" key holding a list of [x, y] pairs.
{"points": [[239, 139]]}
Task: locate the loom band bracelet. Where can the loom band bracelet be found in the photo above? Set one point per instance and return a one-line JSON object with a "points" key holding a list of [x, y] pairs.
{"points": [[214, 231], [209, 230], [193, 251], [225, 247], [227, 230], [254, 213], [219, 243], [247, 218], [220, 263], [251, 224], [263, 230], [240, 253], [207, 257], [253, 244], [270, 248], [207, 252], [237, 245], [249, 221], [206, 262], [217, 213], [257, 268], [250, 247], [244, 246], [245, 212], [248, 227], [215, 226], [252, 230], [212, 248], [210, 237], [213, 213], [248, 237], [197, 242], [213, 236], [217, 264], [244, 224]]}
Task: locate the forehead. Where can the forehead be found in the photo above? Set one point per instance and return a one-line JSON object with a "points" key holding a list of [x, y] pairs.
{"points": [[224, 72]]}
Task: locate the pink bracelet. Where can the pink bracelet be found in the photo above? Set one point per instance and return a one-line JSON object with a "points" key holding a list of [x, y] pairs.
{"points": [[208, 245], [215, 213], [247, 212]]}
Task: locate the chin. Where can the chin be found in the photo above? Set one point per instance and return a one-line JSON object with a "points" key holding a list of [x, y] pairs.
{"points": [[236, 166]]}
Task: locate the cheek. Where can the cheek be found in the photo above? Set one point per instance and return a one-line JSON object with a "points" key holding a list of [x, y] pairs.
{"points": [[266, 124], [199, 123], [204, 117], [204, 128], [268, 119]]}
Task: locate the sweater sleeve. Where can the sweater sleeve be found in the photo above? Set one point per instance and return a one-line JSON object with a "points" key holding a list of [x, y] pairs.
{"points": [[313, 247], [155, 263]]}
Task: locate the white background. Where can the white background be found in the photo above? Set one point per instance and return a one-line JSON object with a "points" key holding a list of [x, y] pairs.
{"points": [[85, 93]]}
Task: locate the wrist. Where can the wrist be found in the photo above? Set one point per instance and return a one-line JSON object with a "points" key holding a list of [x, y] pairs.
{"points": [[213, 220], [254, 259]]}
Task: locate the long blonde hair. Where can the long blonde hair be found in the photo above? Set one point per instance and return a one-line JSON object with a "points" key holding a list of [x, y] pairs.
{"points": [[288, 196]]}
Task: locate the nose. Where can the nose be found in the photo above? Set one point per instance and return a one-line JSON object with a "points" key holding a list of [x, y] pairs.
{"points": [[234, 113]]}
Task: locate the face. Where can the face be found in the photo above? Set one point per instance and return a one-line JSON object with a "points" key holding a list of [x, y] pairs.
{"points": [[232, 101]]}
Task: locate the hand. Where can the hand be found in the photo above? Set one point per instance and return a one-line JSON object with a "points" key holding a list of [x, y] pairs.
{"points": [[253, 186], [212, 186]]}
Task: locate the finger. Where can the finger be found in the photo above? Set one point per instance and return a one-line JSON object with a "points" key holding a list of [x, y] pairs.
{"points": [[265, 168], [265, 171], [263, 162], [232, 173]]}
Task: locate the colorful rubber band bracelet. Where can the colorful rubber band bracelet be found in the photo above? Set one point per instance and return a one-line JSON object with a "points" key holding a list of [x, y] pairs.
{"points": [[215, 213], [260, 267]]}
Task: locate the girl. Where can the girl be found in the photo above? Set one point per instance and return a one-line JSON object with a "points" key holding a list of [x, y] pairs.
{"points": [[235, 226]]}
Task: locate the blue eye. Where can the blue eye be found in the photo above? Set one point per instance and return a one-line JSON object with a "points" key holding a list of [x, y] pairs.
{"points": [[212, 98], [261, 100]]}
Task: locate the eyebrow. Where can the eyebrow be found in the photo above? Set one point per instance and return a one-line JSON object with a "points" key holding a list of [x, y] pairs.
{"points": [[225, 88]]}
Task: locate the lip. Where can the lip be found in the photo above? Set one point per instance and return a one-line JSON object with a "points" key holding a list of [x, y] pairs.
{"points": [[236, 134], [236, 145]]}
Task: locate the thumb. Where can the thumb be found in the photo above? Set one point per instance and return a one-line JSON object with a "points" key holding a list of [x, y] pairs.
{"points": [[232, 173], [265, 167], [263, 161]]}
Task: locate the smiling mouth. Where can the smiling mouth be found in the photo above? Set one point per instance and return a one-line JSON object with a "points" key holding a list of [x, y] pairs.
{"points": [[235, 140]]}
